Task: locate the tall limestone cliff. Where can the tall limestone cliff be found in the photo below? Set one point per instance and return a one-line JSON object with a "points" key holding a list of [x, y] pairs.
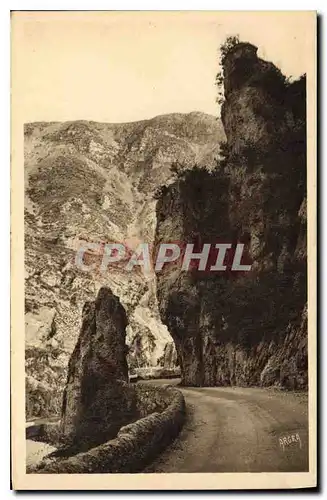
{"points": [[243, 328]]}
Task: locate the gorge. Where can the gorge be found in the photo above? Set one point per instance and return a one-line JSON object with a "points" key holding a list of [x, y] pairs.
{"points": [[240, 180]]}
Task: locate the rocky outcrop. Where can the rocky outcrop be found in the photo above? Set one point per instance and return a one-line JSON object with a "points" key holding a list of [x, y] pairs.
{"points": [[243, 328], [95, 182], [169, 357], [97, 400]]}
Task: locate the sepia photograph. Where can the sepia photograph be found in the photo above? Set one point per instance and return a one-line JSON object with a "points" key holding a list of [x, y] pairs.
{"points": [[163, 249]]}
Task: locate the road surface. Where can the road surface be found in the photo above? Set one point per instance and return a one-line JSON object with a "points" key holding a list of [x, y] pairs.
{"points": [[37, 450], [232, 429]]}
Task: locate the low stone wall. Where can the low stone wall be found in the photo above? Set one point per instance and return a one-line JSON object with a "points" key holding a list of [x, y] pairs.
{"points": [[157, 372], [45, 433], [136, 445]]}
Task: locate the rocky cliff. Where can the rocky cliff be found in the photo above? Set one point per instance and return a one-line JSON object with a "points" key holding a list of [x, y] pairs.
{"points": [[95, 182], [243, 328]]}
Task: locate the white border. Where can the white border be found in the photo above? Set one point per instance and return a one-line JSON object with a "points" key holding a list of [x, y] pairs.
{"points": [[5, 177]]}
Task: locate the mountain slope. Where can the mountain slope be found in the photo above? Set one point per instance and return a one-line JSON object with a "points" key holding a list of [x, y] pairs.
{"points": [[87, 181]]}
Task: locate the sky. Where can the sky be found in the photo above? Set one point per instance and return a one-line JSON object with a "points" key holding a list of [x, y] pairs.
{"points": [[127, 66]]}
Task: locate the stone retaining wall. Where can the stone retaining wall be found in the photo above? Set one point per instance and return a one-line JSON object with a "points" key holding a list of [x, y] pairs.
{"points": [[162, 411]]}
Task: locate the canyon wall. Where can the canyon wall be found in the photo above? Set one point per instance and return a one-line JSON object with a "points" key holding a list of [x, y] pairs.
{"points": [[243, 328]]}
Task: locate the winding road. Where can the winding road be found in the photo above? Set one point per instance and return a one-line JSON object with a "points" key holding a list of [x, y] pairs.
{"points": [[233, 429]]}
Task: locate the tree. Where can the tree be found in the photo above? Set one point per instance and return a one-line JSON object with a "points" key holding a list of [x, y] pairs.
{"points": [[160, 192], [177, 169], [224, 49], [227, 46]]}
